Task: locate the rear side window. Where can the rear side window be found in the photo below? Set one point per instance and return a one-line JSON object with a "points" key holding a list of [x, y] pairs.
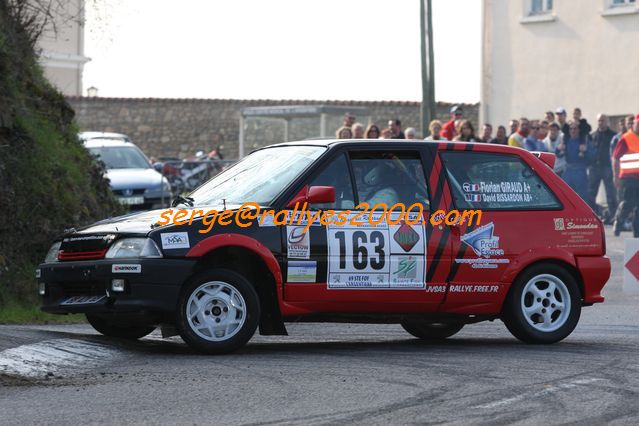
{"points": [[495, 182]]}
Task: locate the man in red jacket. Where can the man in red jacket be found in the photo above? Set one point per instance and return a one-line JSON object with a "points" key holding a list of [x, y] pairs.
{"points": [[448, 130], [625, 162]]}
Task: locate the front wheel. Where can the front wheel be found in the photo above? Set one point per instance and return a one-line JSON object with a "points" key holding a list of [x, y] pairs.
{"points": [[218, 312], [113, 329], [432, 330], [543, 306]]}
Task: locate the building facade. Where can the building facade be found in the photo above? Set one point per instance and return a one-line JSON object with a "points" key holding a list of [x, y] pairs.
{"points": [[62, 48], [538, 55]]}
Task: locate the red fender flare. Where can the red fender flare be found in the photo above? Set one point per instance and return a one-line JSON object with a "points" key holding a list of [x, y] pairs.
{"points": [[531, 256], [238, 240]]}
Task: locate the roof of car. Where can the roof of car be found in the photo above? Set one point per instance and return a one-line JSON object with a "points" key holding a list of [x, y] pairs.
{"points": [[105, 142], [85, 136], [404, 142]]}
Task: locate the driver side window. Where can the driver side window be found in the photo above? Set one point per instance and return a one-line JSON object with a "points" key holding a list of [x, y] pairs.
{"points": [[336, 174], [390, 178]]}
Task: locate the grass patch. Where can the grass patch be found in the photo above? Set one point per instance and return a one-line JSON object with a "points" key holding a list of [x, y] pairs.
{"points": [[13, 313]]}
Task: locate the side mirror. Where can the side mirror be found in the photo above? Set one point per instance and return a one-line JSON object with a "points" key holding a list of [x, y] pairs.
{"points": [[158, 167], [314, 194], [321, 194]]}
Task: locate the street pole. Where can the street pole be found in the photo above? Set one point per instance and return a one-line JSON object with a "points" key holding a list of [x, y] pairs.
{"points": [[428, 64]]}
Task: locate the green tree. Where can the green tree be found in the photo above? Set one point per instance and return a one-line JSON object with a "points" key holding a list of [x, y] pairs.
{"points": [[48, 180]]}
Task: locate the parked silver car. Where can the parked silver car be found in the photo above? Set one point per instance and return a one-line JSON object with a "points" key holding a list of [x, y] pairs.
{"points": [[133, 180]]}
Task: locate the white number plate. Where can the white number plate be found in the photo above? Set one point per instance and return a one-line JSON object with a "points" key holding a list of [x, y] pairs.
{"points": [[376, 256], [82, 300], [131, 200]]}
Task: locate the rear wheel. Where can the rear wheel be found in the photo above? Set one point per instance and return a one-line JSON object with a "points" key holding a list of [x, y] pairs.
{"points": [[544, 305], [115, 329], [218, 312], [432, 330]]}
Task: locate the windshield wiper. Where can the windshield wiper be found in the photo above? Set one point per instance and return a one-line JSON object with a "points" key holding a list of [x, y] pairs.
{"points": [[182, 200]]}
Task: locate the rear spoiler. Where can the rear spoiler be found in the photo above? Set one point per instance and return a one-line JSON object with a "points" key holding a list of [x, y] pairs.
{"points": [[546, 157]]}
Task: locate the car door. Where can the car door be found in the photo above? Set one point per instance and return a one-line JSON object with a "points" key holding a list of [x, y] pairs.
{"points": [[516, 209], [363, 262]]}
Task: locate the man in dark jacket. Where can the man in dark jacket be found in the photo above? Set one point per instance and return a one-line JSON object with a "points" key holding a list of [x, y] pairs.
{"points": [[584, 127], [560, 113], [601, 166]]}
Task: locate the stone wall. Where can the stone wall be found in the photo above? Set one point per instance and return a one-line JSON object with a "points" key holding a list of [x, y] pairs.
{"points": [[180, 127]]}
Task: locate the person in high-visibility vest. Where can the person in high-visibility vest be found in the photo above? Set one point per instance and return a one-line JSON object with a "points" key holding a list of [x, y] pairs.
{"points": [[625, 162]]}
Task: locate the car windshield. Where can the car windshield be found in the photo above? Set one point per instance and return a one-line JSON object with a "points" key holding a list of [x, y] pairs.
{"points": [[258, 178], [121, 157]]}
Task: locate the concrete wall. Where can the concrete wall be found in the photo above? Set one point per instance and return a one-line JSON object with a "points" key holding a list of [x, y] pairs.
{"points": [[179, 127], [580, 54]]}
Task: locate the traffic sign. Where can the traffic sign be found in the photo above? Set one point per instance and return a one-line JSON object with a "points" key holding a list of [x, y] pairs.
{"points": [[631, 266]]}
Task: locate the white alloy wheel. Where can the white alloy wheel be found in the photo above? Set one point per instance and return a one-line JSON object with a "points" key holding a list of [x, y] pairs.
{"points": [[545, 303], [216, 311]]}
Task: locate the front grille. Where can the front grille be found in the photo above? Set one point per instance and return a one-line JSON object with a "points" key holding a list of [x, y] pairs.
{"points": [[84, 288], [81, 255], [121, 192]]}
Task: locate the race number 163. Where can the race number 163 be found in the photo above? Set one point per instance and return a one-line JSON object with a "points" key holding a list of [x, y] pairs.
{"points": [[358, 250]]}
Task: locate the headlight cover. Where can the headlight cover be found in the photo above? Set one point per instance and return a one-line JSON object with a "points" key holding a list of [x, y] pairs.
{"points": [[133, 247], [52, 254]]}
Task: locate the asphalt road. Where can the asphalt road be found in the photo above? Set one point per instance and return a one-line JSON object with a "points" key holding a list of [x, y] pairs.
{"points": [[335, 373]]}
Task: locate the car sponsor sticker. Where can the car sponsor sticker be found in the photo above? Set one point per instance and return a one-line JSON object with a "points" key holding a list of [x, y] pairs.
{"points": [[126, 268], [474, 288], [406, 237], [485, 244], [302, 271], [483, 241], [266, 221], [379, 255], [175, 240], [298, 242], [89, 238], [577, 232], [406, 271]]}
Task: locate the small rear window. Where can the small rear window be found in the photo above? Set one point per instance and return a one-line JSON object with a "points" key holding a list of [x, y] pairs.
{"points": [[495, 182]]}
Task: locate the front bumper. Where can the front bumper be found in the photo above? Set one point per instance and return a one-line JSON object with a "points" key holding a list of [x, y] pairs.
{"points": [[153, 288]]}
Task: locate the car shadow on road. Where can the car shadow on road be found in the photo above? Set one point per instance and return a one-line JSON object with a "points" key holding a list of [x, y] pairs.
{"points": [[459, 346], [261, 345]]}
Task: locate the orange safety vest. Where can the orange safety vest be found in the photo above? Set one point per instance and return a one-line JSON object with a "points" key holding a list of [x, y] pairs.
{"points": [[629, 162]]}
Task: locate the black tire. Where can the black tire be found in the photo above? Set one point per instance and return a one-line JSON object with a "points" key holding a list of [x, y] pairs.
{"points": [[203, 331], [111, 329], [432, 330], [533, 327]]}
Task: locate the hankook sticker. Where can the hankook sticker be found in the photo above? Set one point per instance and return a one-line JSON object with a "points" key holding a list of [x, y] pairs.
{"points": [[126, 268]]}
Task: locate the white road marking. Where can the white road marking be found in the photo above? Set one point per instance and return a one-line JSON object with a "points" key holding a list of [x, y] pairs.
{"points": [[54, 356], [548, 390]]}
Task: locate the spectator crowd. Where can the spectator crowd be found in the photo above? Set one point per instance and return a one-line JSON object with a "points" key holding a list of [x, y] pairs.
{"points": [[584, 158]]}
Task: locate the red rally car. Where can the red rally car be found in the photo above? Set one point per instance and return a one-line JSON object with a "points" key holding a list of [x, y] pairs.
{"points": [[535, 259]]}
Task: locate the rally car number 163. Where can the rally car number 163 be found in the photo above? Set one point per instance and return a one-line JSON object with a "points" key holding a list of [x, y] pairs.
{"points": [[535, 259]]}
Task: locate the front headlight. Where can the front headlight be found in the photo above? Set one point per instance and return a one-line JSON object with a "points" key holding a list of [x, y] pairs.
{"points": [[133, 247], [52, 254]]}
